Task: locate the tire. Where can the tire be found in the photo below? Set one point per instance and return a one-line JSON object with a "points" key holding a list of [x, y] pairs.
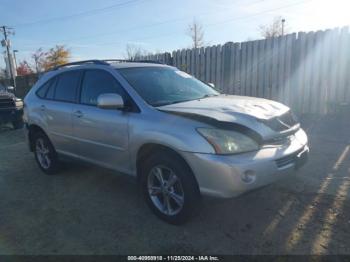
{"points": [[17, 124], [47, 154], [185, 188]]}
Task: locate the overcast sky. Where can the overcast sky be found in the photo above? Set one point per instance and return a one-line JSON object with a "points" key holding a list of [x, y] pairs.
{"points": [[103, 28]]}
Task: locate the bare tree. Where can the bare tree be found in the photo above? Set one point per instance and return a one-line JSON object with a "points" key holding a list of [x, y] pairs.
{"points": [[196, 32], [134, 52], [38, 58], [275, 29]]}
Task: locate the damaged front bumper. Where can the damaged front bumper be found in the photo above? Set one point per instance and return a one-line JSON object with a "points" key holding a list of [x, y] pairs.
{"points": [[231, 175]]}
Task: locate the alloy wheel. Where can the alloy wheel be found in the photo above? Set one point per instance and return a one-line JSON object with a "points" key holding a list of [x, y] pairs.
{"points": [[43, 153], [165, 190]]}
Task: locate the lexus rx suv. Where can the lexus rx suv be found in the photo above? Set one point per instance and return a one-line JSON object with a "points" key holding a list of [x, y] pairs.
{"points": [[178, 136]]}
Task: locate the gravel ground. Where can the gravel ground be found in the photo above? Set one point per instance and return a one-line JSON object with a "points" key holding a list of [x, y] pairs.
{"points": [[88, 210]]}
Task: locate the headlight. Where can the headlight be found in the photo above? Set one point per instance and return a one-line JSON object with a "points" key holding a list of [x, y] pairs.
{"points": [[228, 142], [19, 103]]}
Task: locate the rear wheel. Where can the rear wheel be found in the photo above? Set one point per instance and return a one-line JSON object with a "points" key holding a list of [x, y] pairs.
{"points": [[170, 188], [45, 154]]}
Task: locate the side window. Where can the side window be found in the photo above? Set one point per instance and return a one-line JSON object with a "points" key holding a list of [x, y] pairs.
{"points": [[67, 85], [42, 91], [97, 82]]}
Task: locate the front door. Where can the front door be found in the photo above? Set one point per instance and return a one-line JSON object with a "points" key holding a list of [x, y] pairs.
{"points": [[101, 134]]}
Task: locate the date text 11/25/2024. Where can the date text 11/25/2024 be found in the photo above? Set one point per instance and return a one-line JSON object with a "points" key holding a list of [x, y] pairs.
{"points": [[173, 258]]}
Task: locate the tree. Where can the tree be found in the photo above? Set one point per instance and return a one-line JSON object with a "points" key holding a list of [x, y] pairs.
{"points": [[195, 31], [134, 52], [39, 57], [56, 56], [274, 29], [24, 68]]}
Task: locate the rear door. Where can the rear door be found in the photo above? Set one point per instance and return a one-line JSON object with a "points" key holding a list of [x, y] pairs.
{"points": [[57, 108], [101, 134]]}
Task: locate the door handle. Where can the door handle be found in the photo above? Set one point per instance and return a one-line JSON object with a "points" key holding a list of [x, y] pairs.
{"points": [[78, 113], [42, 108]]}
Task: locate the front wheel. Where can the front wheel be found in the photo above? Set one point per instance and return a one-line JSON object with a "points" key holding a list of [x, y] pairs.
{"points": [[45, 154], [170, 188]]}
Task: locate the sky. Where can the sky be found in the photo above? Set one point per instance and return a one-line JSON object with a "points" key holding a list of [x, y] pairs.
{"points": [[97, 29]]}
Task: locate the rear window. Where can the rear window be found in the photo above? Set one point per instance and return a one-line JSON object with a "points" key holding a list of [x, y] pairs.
{"points": [[67, 86], [43, 90]]}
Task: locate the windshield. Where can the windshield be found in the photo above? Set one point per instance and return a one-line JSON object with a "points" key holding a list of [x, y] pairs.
{"points": [[162, 86]]}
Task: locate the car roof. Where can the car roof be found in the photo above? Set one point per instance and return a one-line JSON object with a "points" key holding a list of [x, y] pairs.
{"points": [[116, 63], [120, 65], [88, 64]]}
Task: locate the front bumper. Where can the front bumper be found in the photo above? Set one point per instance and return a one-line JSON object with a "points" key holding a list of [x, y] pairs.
{"points": [[231, 175], [11, 115]]}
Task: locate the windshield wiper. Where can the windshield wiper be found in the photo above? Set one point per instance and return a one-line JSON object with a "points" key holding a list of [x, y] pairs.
{"points": [[172, 102], [181, 101], [161, 104], [208, 95]]}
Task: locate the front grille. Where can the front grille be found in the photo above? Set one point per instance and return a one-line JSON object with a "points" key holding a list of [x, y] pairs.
{"points": [[287, 160], [6, 103], [282, 122]]}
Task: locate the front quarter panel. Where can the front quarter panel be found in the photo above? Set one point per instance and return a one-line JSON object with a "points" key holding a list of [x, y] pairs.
{"points": [[168, 130]]}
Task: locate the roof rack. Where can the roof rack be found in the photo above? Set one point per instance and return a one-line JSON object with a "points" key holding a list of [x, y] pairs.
{"points": [[148, 61], [132, 61], [116, 60], [95, 61], [105, 62]]}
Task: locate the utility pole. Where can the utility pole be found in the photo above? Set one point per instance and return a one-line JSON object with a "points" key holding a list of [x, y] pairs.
{"points": [[5, 32], [283, 21]]}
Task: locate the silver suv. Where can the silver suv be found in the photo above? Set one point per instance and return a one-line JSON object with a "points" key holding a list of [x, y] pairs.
{"points": [[177, 135]]}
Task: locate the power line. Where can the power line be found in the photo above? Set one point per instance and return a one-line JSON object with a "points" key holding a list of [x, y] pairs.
{"points": [[151, 25], [77, 15], [165, 22], [219, 23], [260, 13], [183, 18]]}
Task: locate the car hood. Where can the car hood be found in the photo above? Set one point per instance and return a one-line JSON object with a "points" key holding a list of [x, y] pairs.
{"points": [[257, 114], [230, 108]]}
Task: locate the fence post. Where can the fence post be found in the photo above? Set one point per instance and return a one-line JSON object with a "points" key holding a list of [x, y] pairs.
{"points": [[237, 68], [207, 64], [243, 70], [227, 71]]}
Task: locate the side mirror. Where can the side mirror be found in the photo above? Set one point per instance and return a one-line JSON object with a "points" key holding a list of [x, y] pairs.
{"points": [[212, 85], [10, 89], [110, 101]]}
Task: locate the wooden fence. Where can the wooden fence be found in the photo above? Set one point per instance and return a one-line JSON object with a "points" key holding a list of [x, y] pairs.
{"points": [[308, 71]]}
